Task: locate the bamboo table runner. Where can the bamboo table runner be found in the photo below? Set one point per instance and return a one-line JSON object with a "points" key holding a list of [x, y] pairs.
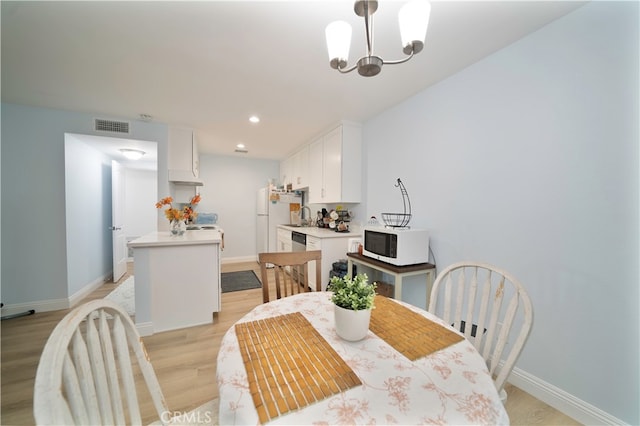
{"points": [[408, 332], [289, 364]]}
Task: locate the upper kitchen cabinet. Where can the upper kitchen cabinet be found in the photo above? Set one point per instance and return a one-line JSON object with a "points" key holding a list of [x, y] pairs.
{"points": [[300, 177], [335, 166], [294, 169], [286, 171], [184, 163]]}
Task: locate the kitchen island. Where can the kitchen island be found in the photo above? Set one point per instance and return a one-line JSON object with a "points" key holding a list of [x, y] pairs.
{"points": [[177, 279]]}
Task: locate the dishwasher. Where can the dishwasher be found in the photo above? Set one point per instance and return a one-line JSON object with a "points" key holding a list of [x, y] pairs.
{"points": [[298, 243]]}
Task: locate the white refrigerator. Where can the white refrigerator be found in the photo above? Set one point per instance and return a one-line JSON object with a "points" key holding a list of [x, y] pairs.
{"points": [[270, 215]]}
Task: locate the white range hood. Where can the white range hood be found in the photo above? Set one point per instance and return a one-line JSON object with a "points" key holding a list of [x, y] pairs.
{"points": [[184, 177]]}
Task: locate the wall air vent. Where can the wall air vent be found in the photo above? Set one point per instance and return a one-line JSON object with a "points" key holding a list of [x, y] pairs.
{"points": [[112, 126]]}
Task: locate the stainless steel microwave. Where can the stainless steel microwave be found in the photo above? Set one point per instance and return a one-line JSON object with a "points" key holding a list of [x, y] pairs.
{"points": [[398, 246]]}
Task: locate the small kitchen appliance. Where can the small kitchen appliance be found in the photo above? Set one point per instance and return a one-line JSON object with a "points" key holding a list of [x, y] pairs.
{"points": [[397, 246], [396, 243]]}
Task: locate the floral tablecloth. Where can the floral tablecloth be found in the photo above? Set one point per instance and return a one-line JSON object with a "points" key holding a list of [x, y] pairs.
{"points": [[451, 386]]}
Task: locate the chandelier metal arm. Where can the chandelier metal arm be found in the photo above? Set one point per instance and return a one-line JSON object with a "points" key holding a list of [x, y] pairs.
{"points": [[369, 59], [345, 71], [399, 61]]}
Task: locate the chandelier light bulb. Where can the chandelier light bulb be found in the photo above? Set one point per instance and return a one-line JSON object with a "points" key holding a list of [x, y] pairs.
{"points": [[414, 20], [338, 35]]}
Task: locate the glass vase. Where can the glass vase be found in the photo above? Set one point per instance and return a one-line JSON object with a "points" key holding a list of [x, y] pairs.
{"points": [[177, 227]]}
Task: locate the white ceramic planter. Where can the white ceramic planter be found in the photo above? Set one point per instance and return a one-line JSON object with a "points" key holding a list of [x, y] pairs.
{"points": [[352, 325]]}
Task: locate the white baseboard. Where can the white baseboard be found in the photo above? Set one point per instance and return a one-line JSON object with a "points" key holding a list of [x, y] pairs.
{"points": [[239, 259], [145, 328], [39, 306], [562, 401], [77, 297], [56, 304]]}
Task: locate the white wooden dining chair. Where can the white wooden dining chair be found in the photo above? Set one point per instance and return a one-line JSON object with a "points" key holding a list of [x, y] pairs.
{"points": [[491, 308], [88, 369]]}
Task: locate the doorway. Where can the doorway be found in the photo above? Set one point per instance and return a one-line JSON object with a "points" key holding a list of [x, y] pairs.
{"points": [[88, 204]]}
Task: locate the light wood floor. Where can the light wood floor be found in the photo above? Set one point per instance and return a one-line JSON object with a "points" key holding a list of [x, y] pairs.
{"points": [[184, 360]]}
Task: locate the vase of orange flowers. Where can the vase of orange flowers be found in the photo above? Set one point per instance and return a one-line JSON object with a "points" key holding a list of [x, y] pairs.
{"points": [[177, 227], [178, 218]]}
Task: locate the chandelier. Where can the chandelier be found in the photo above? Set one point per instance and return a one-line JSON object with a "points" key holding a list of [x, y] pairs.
{"points": [[413, 18]]}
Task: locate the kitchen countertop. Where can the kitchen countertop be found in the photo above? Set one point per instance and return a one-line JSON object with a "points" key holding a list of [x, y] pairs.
{"points": [[164, 238], [314, 231]]}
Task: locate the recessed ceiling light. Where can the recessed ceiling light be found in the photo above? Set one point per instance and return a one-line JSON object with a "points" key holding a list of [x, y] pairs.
{"points": [[241, 148], [132, 154], [254, 119]]}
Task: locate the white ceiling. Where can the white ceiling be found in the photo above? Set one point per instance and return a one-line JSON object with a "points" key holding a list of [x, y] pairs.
{"points": [[111, 147], [211, 64]]}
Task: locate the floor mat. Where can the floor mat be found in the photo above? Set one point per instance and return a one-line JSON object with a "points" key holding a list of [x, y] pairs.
{"points": [[124, 295], [242, 280]]}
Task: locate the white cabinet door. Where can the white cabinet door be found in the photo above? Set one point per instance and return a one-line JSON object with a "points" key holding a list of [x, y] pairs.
{"points": [[183, 150], [284, 240], [315, 171], [333, 250], [286, 171], [335, 166], [313, 243], [301, 168], [332, 166]]}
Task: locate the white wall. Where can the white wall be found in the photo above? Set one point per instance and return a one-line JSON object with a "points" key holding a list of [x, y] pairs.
{"points": [[88, 214], [231, 184], [33, 184], [141, 195], [529, 160]]}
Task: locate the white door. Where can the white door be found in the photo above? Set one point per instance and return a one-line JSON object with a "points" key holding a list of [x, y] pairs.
{"points": [[117, 219]]}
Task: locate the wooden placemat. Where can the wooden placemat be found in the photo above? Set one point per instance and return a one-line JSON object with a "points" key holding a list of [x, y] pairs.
{"points": [[290, 365], [408, 332]]}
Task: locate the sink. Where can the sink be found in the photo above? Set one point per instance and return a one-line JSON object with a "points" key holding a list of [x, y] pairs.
{"points": [[293, 225]]}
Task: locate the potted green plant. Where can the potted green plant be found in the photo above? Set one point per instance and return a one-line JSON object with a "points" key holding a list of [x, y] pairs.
{"points": [[353, 300]]}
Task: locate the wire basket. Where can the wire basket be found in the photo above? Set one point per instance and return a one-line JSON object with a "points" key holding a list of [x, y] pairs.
{"points": [[399, 220], [396, 220]]}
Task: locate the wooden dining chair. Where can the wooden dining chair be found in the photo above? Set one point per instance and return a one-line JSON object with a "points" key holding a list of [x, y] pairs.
{"points": [[88, 369], [290, 272], [491, 308]]}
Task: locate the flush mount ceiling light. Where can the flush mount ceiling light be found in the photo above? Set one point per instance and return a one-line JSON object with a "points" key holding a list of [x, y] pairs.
{"points": [[254, 119], [413, 18], [132, 154]]}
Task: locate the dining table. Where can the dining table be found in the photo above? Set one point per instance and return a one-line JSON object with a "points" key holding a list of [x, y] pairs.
{"points": [[283, 363]]}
